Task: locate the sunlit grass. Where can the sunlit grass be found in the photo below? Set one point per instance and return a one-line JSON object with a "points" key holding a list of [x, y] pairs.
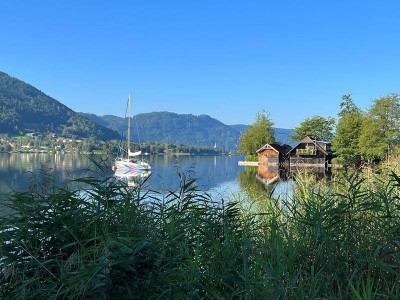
{"points": [[106, 240]]}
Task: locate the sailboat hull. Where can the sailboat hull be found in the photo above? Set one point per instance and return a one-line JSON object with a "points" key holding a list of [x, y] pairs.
{"points": [[132, 165]]}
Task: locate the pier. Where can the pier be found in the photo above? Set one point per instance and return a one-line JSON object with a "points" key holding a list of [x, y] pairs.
{"points": [[248, 163]]}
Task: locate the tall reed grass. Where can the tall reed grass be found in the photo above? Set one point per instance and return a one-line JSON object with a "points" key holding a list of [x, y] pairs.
{"points": [[107, 240]]}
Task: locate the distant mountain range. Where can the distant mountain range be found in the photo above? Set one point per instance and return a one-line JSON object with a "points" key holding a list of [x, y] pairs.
{"points": [[174, 128], [181, 128], [24, 109]]}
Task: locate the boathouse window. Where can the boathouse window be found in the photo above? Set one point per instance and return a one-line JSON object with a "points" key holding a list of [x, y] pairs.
{"points": [[310, 146], [308, 150]]}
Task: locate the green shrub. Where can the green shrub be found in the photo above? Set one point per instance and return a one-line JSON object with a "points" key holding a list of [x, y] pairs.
{"points": [[251, 158], [106, 240]]}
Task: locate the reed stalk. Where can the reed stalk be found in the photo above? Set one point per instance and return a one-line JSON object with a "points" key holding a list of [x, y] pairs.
{"points": [[106, 240]]}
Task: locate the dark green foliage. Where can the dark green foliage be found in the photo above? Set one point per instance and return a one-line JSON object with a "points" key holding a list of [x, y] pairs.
{"points": [[24, 108], [109, 241], [380, 128], [318, 127], [372, 139], [345, 143], [151, 147], [257, 135]]}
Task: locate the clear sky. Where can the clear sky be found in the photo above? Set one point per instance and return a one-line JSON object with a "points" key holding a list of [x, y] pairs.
{"points": [[228, 59]]}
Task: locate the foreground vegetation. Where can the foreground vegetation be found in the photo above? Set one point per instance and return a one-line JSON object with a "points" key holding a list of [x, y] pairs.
{"points": [[106, 240]]}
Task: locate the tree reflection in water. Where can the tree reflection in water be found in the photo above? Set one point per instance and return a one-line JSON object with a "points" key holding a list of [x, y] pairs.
{"points": [[275, 182], [255, 189]]}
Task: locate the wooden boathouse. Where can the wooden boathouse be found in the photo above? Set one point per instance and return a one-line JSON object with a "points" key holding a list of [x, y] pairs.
{"points": [[272, 154], [310, 153]]}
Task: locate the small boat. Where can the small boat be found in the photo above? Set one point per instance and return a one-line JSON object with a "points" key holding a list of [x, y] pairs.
{"points": [[131, 174], [128, 161]]}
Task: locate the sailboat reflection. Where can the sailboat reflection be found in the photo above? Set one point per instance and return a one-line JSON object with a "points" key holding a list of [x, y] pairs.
{"points": [[132, 176]]}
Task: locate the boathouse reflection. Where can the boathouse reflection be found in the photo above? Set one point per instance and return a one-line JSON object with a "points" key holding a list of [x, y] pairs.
{"points": [[269, 174]]}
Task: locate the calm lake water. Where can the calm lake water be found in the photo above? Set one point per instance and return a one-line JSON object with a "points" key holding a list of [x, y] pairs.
{"points": [[216, 174]]}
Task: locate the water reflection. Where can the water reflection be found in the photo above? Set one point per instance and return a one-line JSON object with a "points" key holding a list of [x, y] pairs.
{"points": [[219, 175], [132, 177], [211, 172], [280, 181], [276, 181], [254, 188], [268, 174], [18, 170]]}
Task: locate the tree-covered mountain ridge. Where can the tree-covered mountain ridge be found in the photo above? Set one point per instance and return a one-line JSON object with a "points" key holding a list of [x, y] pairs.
{"points": [[24, 109], [181, 128]]}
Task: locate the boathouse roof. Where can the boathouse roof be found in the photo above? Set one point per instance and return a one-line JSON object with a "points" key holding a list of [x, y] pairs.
{"points": [[320, 145], [278, 148]]}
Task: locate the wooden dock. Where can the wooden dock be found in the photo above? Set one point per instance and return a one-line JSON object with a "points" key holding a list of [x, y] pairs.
{"points": [[248, 163]]}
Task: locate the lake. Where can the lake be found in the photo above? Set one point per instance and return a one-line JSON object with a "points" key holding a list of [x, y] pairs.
{"points": [[215, 174]]}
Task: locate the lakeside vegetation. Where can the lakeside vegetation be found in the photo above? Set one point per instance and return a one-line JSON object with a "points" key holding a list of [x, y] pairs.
{"points": [[332, 241], [51, 144], [359, 136]]}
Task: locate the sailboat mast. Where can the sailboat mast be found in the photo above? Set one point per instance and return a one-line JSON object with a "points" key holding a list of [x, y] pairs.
{"points": [[128, 139]]}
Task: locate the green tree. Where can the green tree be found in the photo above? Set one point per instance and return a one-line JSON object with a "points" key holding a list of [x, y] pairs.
{"points": [[318, 127], [345, 144], [380, 129], [257, 135], [372, 140]]}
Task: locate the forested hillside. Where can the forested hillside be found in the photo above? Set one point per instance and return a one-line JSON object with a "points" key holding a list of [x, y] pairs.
{"points": [[181, 128], [174, 128], [24, 108]]}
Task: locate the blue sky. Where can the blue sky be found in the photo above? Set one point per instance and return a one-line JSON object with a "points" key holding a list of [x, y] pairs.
{"points": [[228, 59]]}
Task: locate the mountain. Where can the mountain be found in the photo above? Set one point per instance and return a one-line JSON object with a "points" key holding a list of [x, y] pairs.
{"points": [[24, 108], [174, 128], [180, 128], [283, 136], [240, 127]]}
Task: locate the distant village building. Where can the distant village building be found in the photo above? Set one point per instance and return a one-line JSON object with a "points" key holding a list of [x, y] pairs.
{"points": [[272, 154], [310, 153], [34, 134]]}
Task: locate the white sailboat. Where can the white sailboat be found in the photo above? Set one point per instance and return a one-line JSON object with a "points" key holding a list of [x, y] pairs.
{"points": [[129, 162]]}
